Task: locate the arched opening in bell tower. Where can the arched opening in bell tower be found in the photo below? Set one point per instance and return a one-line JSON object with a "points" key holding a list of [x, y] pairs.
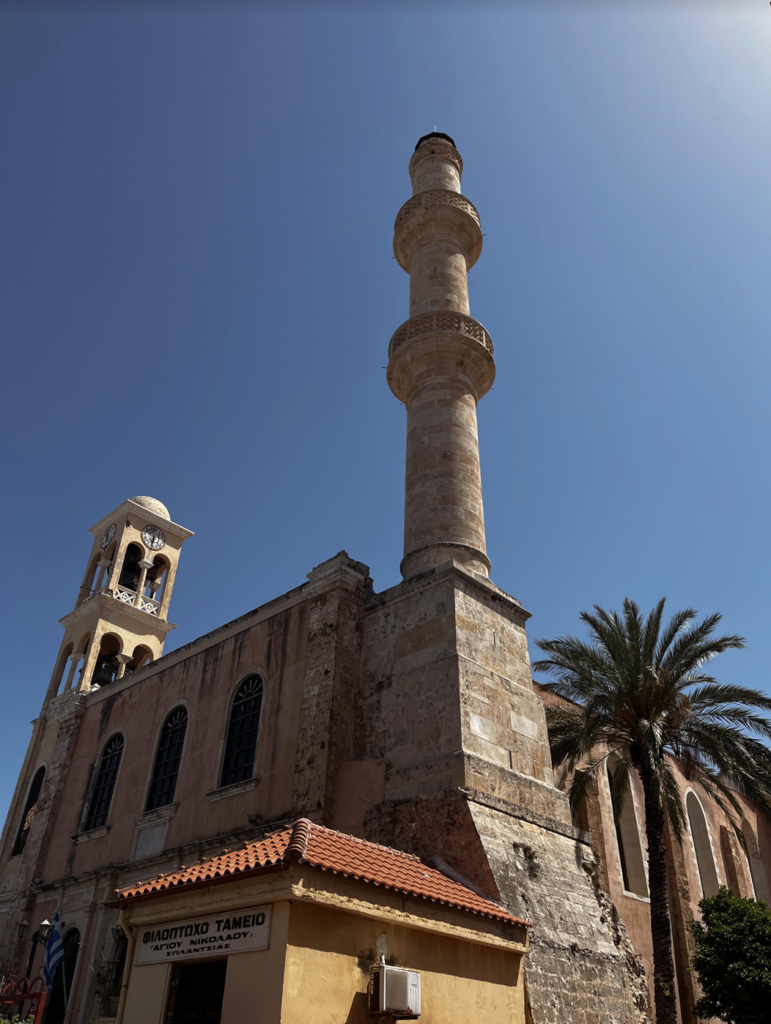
{"points": [[130, 570], [89, 581], [105, 568], [142, 656], [155, 580], [58, 682], [107, 663]]}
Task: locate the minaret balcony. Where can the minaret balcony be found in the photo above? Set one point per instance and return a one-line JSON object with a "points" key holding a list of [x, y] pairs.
{"points": [[440, 322], [434, 216], [435, 345]]}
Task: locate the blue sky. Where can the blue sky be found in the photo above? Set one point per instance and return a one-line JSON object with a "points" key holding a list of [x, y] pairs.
{"points": [[198, 293]]}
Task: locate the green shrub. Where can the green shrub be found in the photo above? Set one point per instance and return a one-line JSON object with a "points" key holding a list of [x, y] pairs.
{"points": [[733, 959]]}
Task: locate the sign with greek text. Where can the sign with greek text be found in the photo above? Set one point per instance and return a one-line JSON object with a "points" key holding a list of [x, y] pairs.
{"points": [[231, 932]]}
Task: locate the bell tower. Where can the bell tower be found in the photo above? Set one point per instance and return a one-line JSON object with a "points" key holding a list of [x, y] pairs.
{"points": [[118, 625], [120, 619]]}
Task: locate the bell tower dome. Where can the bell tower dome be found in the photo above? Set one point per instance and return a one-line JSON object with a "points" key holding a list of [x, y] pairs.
{"points": [[120, 619]]}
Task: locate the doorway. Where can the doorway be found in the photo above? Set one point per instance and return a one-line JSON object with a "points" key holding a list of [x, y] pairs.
{"points": [[59, 996], [195, 992]]}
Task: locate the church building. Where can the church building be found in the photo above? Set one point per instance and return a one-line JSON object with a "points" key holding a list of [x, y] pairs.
{"points": [[341, 805]]}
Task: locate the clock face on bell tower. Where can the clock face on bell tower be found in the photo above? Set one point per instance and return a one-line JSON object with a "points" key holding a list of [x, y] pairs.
{"points": [[154, 537]]}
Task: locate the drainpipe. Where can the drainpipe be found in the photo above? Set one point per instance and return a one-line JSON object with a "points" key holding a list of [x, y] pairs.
{"points": [[129, 933]]}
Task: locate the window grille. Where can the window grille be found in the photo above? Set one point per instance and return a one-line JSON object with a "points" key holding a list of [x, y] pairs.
{"points": [[105, 784], [164, 780], [241, 745]]}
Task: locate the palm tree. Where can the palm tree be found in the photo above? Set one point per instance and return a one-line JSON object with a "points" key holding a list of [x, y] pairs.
{"points": [[640, 691]]}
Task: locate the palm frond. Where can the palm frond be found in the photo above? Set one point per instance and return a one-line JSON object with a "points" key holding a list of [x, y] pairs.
{"points": [[697, 646], [634, 632], [651, 633], [729, 693], [584, 778], [673, 628]]}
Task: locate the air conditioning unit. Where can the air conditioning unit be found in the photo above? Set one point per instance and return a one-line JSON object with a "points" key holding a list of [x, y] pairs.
{"points": [[394, 992]]}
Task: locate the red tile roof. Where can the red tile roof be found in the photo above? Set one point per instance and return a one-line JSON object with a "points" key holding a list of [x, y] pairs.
{"points": [[307, 843]]}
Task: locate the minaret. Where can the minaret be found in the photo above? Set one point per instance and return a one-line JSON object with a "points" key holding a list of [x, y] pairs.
{"points": [[440, 365], [446, 702]]}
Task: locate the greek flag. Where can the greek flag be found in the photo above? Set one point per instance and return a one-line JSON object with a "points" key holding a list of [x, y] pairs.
{"points": [[54, 953]]}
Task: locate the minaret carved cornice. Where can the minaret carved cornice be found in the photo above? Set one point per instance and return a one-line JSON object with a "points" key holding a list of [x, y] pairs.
{"points": [[440, 364]]}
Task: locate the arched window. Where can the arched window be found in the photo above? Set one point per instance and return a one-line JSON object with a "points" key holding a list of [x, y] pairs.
{"points": [[628, 837], [164, 780], [241, 743], [700, 834], [101, 798], [758, 872], [29, 812]]}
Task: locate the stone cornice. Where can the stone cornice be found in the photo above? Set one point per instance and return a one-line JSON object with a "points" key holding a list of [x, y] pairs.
{"points": [[109, 607], [341, 570], [544, 821], [129, 508], [442, 573]]}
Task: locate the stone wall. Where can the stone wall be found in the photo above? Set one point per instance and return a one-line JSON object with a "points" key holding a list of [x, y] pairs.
{"points": [[446, 698]]}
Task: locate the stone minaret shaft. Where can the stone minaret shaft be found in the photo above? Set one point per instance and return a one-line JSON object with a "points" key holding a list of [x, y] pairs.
{"points": [[440, 365]]}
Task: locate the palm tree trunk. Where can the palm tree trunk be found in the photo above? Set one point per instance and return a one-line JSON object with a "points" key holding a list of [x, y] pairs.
{"points": [[665, 1000]]}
